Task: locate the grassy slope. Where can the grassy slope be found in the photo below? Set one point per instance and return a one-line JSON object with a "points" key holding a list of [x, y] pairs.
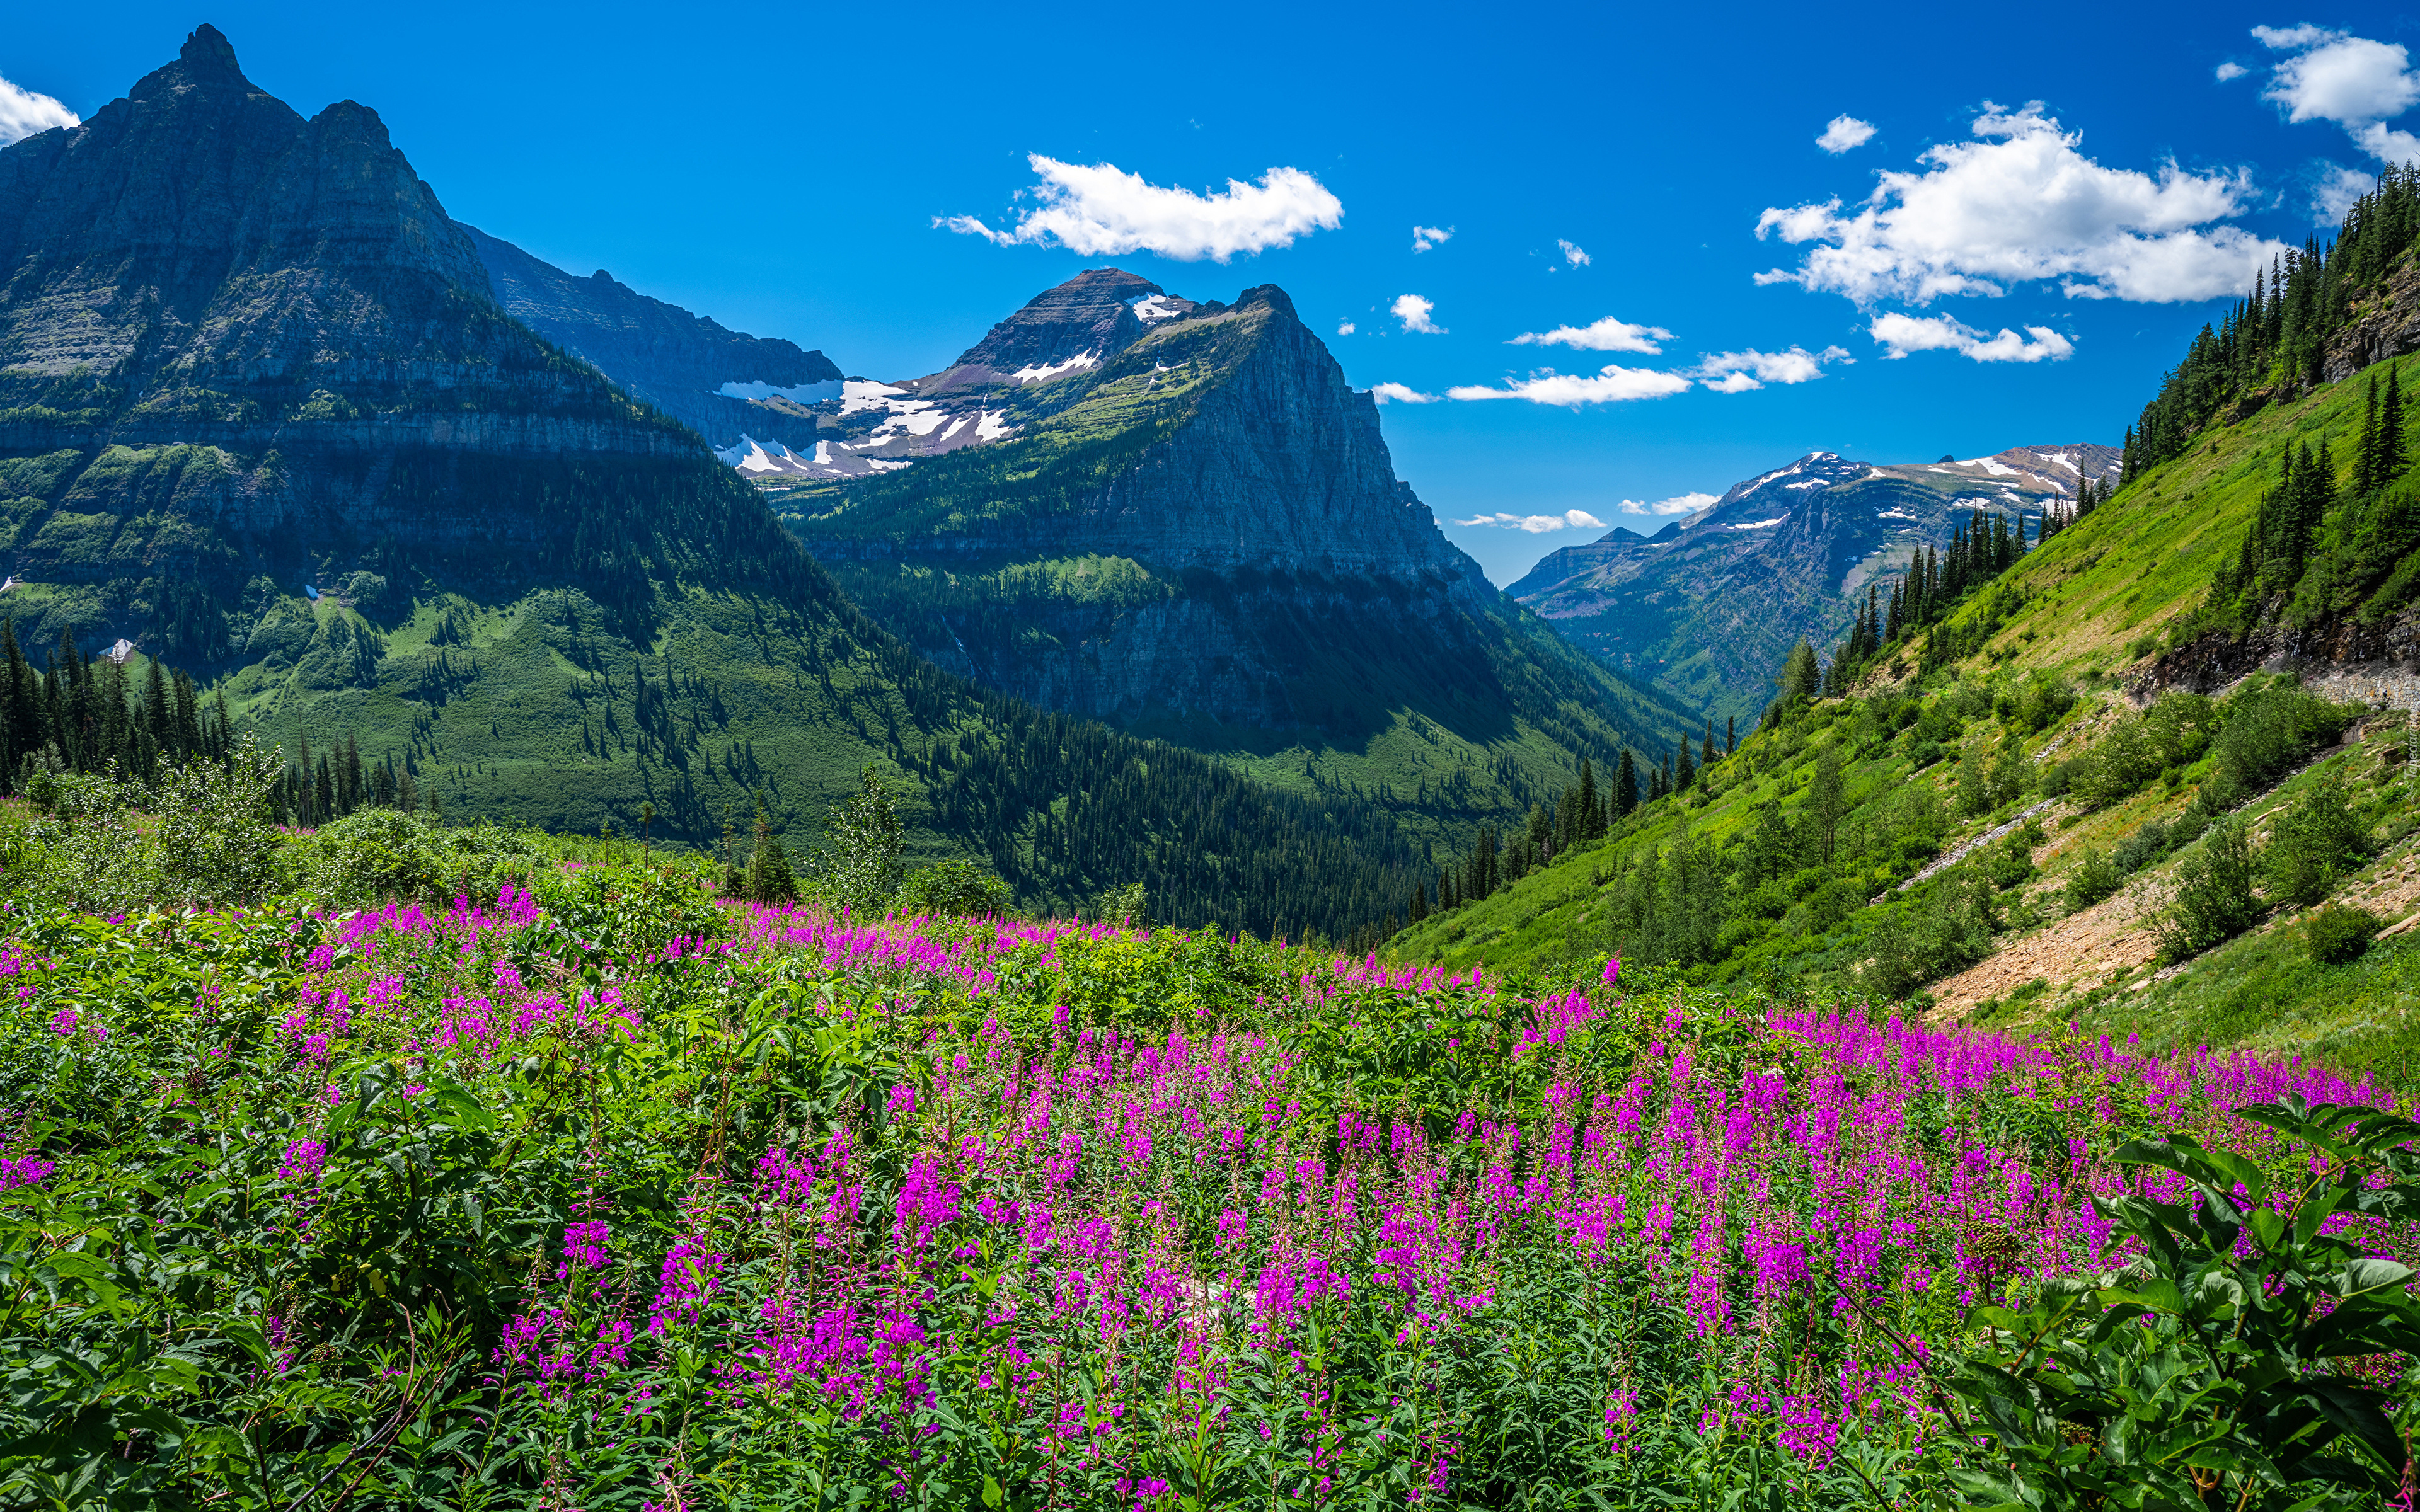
{"points": [[2091, 596]]}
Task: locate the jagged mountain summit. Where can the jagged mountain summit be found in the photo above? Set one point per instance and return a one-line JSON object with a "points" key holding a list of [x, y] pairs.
{"points": [[1187, 521], [741, 393], [1706, 610]]}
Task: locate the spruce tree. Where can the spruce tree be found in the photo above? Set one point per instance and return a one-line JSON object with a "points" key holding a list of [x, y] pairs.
{"points": [[2365, 452], [1684, 771], [1625, 786], [1730, 735], [1706, 753], [2390, 461], [1584, 828]]}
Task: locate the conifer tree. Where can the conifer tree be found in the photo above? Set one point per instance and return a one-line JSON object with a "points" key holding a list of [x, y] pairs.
{"points": [[1730, 735], [1684, 771], [1586, 830], [1706, 753], [2390, 461], [2365, 454], [1625, 786]]}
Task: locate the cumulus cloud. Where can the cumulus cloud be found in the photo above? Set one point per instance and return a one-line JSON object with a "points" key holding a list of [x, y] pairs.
{"points": [[2335, 191], [1572, 253], [1739, 372], [2231, 71], [1610, 385], [1605, 335], [1098, 211], [1400, 393], [2020, 203], [23, 113], [2354, 82], [1414, 312], [1684, 504], [1426, 237], [1570, 519], [1903, 333], [1844, 133], [1344, 328]]}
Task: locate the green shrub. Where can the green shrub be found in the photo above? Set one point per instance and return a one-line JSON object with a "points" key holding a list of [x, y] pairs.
{"points": [[2269, 728], [2315, 843], [954, 888], [2143, 847], [2337, 933], [2095, 877], [2214, 900], [375, 856]]}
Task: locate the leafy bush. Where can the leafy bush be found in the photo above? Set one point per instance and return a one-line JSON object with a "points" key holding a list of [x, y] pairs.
{"points": [[2143, 847], [2337, 933], [954, 888], [2221, 1368], [2095, 877], [2315, 843], [2270, 728], [2214, 900], [1943, 933], [375, 856]]}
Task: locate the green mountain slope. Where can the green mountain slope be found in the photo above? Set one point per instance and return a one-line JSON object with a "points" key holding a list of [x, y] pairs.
{"points": [[2009, 810], [262, 417], [1194, 531]]}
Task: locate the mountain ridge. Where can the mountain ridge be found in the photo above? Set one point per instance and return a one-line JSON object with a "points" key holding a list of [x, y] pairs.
{"points": [[1708, 611]]}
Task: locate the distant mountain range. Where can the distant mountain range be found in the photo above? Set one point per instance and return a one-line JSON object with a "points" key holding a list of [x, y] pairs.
{"points": [[1706, 610]]}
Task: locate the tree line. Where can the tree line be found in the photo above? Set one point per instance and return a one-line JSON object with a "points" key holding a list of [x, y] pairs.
{"points": [[2276, 340]]}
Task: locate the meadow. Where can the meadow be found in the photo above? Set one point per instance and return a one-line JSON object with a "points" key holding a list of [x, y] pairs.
{"points": [[560, 1183]]}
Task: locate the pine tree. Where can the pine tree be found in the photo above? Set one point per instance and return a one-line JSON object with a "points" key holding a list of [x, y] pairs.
{"points": [[1585, 826], [1730, 735], [2390, 461], [1706, 753], [1420, 902], [1684, 771], [1625, 786], [2365, 455]]}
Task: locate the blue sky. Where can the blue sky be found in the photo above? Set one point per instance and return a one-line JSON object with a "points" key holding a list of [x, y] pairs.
{"points": [[782, 169]]}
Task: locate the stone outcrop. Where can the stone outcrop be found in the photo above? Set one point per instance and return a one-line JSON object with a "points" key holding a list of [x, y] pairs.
{"points": [[678, 361], [2387, 324]]}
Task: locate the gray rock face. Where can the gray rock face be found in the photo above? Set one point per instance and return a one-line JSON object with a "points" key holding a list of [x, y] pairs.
{"points": [[1091, 313], [678, 361], [1204, 527], [259, 347], [1707, 612]]}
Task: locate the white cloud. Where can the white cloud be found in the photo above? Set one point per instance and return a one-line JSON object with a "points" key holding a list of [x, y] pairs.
{"points": [[1344, 328], [2020, 203], [1905, 333], [1572, 253], [2335, 192], [1738, 372], [1414, 312], [1100, 211], [1426, 237], [1400, 393], [1686, 504], [1605, 335], [2230, 70], [2358, 83], [1845, 133], [1570, 519], [1571, 391], [23, 113]]}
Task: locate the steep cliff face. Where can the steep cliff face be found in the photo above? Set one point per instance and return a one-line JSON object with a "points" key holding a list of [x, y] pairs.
{"points": [[1199, 530], [714, 380], [1709, 611], [256, 350]]}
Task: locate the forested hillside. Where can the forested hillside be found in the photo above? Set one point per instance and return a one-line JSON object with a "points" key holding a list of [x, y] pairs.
{"points": [[2047, 789]]}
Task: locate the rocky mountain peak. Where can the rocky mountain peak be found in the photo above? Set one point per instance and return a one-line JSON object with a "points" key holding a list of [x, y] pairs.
{"points": [[208, 51], [1091, 313]]}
